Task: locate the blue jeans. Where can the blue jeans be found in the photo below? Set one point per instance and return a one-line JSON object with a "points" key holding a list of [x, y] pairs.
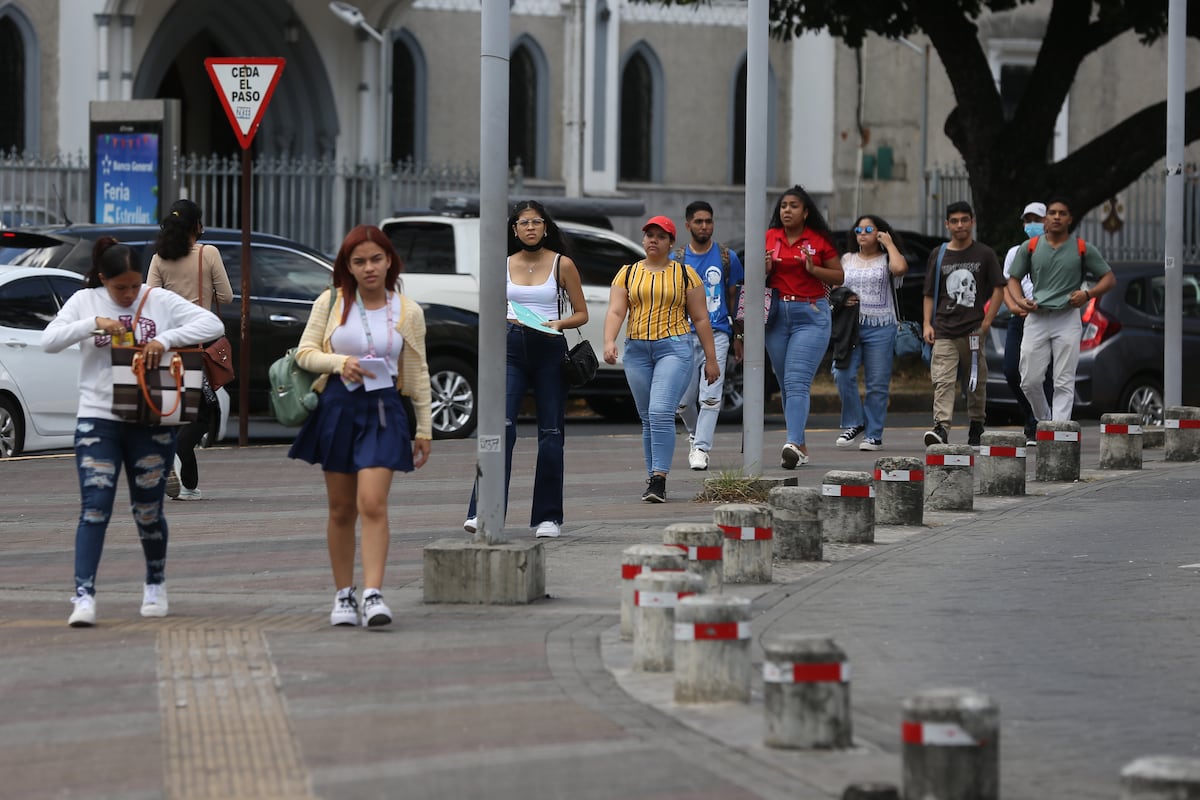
{"points": [[534, 363], [1012, 368], [874, 353], [658, 371], [701, 420], [797, 338], [102, 447]]}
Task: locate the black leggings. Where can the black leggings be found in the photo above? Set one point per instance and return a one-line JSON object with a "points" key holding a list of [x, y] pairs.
{"points": [[190, 436]]}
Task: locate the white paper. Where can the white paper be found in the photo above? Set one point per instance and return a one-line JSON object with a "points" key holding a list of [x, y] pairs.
{"points": [[382, 379]]}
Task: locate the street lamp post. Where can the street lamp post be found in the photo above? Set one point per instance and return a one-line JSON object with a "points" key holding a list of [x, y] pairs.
{"points": [[354, 18]]}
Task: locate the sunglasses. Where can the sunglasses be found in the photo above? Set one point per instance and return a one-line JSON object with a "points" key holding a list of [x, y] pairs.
{"points": [[865, 229]]}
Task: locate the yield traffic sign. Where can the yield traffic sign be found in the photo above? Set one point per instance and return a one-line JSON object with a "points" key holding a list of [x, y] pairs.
{"points": [[245, 86]]}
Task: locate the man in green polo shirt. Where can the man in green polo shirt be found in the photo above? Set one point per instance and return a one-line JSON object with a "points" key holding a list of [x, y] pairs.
{"points": [[1057, 263]]}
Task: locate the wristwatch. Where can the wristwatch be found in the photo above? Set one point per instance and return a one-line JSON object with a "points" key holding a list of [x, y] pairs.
{"points": [[739, 336]]}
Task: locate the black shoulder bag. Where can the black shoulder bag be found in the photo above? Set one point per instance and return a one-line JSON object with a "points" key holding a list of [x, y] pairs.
{"points": [[579, 365]]}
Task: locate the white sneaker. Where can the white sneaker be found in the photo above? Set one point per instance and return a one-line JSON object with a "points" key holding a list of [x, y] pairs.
{"points": [[154, 600], [698, 459], [345, 609], [792, 456], [375, 612], [471, 525], [84, 615], [548, 530], [188, 494]]}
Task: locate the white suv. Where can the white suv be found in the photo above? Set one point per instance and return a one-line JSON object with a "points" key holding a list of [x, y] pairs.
{"points": [[441, 265]]}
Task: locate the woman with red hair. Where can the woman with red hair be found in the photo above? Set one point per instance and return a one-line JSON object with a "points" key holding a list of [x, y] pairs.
{"points": [[366, 341]]}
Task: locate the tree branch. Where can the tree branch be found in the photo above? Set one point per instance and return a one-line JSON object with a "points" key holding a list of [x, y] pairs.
{"points": [[1121, 154]]}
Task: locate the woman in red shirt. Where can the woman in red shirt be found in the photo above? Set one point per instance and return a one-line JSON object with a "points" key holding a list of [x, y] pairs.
{"points": [[801, 264]]}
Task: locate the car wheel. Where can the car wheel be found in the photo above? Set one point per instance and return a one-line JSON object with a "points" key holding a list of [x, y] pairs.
{"points": [[12, 432], [613, 407], [454, 388], [732, 398], [1144, 396]]}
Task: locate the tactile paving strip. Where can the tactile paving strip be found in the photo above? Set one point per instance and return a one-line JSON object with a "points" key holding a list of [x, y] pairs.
{"points": [[225, 726]]}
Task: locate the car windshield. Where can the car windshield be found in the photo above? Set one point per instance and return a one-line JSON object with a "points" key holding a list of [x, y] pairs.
{"points": [[38, 256]]}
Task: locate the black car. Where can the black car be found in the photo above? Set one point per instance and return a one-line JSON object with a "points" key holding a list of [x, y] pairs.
{"points": [[1121, 348], [286, 277]]}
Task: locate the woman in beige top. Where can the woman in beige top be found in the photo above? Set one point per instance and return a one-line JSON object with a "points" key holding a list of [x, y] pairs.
{"points": [[197, 274]]}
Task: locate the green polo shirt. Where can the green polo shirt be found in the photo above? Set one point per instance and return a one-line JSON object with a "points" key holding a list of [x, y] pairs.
{"points": [[1057, 271]]}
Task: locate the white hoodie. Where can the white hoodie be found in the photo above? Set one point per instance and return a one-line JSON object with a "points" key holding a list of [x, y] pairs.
{"points": [[166, 316]]}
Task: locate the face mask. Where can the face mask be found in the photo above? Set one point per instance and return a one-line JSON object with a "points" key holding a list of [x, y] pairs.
{"points": [[1033, 229]]}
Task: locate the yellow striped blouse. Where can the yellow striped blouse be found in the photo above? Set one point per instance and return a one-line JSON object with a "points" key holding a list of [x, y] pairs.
{"points": [[657, 300]]}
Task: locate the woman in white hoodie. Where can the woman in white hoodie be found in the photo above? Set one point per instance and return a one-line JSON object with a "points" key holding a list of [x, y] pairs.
{"points": [[107, 307]]}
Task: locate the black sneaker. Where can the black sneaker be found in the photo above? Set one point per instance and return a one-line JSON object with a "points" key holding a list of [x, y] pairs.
{"points": [[975, 434], [937, 435], [1031, 434], [849, 435], [656, 489]]}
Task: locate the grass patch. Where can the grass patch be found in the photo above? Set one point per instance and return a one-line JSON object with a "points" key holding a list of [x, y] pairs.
{"points": [[732, 486]]}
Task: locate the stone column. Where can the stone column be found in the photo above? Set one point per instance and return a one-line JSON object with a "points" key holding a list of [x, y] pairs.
{"points": [[949, 477], [712, 649], [806, 692], [1161, 778], [748, 541], [1121, 441], [1182, 439], [640, 559], [899, 491], [1002, 464], [703, 545], [847, 507], [796, 519], [951, 745], [1057, 451], [655, 597]]}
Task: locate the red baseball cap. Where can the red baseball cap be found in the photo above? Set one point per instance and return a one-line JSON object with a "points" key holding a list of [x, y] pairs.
{"points": [[662, 222]]}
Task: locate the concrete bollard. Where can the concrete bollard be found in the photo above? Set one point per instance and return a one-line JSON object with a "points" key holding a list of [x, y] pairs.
{"points": [[1057, 451], [703, 544], [949, 477], [1161, 778], [712, 649], [1182, 438], [1121, 441], [796, 520], [641, 559], [899, 491], [871, 791], [748, 543], [847, 507], [1002, 464], [655, 596], [806, 693], [951, 745]]}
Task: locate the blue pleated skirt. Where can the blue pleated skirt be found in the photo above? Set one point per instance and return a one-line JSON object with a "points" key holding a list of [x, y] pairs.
{"points": [[350, 431]]}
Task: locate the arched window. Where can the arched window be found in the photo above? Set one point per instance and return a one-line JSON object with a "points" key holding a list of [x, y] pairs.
{"points": [[737, 135], [15, 131], [522, 111], [641, 122], [408, 99], [528, 107]]}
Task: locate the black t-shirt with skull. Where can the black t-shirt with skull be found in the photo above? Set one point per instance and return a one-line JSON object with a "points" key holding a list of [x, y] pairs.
{"points": [[968, 279]]}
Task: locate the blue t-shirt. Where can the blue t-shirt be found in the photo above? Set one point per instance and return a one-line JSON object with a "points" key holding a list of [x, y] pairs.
{"points": [[716, 283]]}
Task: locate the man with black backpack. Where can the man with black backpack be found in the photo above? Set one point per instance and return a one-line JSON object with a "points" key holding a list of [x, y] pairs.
{"points": [[720, 272], [1058, 266]]}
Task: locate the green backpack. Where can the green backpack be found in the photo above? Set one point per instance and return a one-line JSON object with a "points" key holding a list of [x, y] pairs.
{"points": [[292, 397]]}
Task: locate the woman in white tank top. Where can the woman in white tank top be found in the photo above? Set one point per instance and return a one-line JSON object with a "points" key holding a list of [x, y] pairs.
{"points": [[538, 265]]}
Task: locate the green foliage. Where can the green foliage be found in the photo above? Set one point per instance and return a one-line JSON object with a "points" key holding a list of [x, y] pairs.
{"points": [[732, 486]]}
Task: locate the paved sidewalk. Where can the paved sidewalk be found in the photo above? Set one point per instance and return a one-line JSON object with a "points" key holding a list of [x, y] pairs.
{"points": [[245, 691]]}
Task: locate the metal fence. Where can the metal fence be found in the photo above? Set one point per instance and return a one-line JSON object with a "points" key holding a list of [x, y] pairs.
{"points": [[311, 200], [1129, 227]]}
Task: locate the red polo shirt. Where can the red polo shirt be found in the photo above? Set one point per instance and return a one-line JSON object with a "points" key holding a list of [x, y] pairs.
{"points": [[791, 277]]}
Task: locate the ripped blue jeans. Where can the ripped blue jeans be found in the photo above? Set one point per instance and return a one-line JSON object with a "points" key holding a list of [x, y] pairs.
{"points": [[102, 447]]}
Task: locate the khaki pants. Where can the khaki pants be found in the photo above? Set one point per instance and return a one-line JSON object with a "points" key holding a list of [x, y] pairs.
{"points": [[948, 354]]}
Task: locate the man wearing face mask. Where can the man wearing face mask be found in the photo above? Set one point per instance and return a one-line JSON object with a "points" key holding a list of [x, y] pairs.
{"points": [[1033, 218]]}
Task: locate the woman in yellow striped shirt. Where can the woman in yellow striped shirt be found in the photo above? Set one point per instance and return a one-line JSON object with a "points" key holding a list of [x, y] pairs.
{"points": [[658, 295]]}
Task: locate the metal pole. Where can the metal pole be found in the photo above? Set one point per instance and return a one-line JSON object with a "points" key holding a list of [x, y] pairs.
{"points": [[1173, 233], [493, 215], [753, 366], [244, 345], [923, 179]]}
